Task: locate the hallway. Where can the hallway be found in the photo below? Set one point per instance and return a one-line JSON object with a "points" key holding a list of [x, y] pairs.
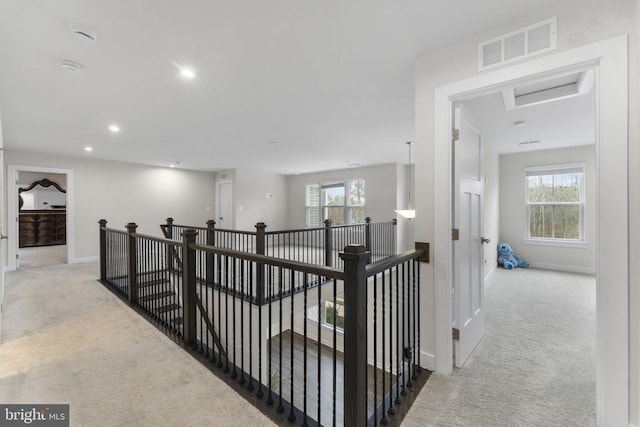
{"points": [[67, 339]]}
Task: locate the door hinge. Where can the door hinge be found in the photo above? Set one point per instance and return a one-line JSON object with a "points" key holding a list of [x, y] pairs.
{"points": [[455, 234], [455, 135], [455, 334]]}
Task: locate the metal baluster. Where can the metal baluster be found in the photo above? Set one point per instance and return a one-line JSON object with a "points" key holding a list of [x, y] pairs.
{"points": [[304, 383], [398, 350], [269, 348], [391, 409], [410, 343], [319, 350], [280, 298], [292, 415], [335, 347], [383, 420], [219, 265], [260, 393], [242, 302], [250, 286], [404, 342], [226, 313], [375, 351], [234, 373]]}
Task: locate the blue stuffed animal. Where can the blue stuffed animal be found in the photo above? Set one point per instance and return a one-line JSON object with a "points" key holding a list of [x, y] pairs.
{"points": [[508, 259]]}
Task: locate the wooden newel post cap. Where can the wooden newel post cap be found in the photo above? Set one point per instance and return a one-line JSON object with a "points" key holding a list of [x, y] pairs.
{"points": [[131, 227], [102, 222]]}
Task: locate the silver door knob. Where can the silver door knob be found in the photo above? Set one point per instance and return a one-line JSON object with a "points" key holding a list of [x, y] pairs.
{"points": [[484, 240]]}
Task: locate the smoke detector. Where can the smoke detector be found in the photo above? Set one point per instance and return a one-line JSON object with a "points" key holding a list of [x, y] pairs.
{"points": [[71, 66], [83, 33]]}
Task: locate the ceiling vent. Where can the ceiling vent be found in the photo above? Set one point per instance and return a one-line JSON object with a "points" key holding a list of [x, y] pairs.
{"points": [[523, 43]]}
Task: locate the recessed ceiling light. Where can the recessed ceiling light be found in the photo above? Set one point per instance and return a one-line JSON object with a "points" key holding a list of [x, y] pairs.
{"points": [[88, 149], [71, 66], [519, 123], [187, 73], [172, 166], [114, 128]]}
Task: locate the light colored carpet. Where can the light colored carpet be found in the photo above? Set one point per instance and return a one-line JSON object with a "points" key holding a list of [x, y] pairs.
{"points": [[41, 256], [534, 367], [66, 339]]}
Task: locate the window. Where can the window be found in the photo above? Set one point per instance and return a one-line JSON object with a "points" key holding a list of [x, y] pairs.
{"points": [[555, 203], [334, 313], [341, 202], [333, 203], [312, 205]]}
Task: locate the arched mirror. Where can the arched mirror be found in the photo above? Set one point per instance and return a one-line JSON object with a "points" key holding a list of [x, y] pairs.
{"points": [[42, 195]]}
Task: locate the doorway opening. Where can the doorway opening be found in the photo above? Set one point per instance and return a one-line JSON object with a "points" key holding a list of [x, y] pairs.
{"points": [[40, 216], [609, 59]]}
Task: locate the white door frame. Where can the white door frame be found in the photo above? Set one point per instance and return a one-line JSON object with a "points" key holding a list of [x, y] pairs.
{"points": [[610, 60], [12, 209]]}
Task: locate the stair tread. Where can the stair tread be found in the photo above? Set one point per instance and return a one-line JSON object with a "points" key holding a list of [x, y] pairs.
{"points": [[152, 282], [168, 307], [157, 295]]}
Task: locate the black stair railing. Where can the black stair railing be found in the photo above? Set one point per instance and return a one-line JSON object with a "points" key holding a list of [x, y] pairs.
{"points": [[342, 352]]}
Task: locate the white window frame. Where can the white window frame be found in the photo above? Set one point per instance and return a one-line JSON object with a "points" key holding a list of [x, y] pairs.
{"points": [[555, 170], [308, 206], [346, 184]]}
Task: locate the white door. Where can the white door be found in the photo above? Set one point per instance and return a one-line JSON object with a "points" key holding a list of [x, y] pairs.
{"points": [[224, 207], [468, 253]]}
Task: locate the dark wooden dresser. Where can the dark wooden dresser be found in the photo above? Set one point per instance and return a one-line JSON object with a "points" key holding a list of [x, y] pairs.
{"points": [[42, 228]]}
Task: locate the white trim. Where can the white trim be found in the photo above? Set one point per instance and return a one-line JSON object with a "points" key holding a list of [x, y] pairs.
{"points": [[610, 60], [12, 209], [427, 361], [566, 268], [563, 243], [84, 260], [493, 270]]}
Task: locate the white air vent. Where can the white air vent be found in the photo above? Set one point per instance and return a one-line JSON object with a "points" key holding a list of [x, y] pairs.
{"points": [[523, 43]]}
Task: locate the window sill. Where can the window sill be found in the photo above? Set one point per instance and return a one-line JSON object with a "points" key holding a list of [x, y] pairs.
{"points": [[557, 243]]}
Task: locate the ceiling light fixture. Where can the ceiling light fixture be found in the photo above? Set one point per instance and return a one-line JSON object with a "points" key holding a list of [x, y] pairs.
{"points": [[71, 66], [88, 149], [187, 73], [114, 128], [410, 212]]}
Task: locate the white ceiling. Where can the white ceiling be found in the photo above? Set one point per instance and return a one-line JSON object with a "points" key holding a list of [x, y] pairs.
{"points": [[331, 82], [566, 122]]}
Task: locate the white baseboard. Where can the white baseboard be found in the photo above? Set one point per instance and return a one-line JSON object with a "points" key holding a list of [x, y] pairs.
{"points": [[427, 361], [85, 259], [493, 270], [632, 425], [566, 268]]}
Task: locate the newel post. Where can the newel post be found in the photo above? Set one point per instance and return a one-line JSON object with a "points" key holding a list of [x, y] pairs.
{"points": [[260, 250], [367, 233], [169, 228], [211, 241], [189, 286], [328, 244], [103, 249], [355, 259], [132, 255]]}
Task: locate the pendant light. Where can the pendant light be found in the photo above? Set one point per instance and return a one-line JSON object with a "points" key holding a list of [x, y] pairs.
{"points": [[410, 212]]}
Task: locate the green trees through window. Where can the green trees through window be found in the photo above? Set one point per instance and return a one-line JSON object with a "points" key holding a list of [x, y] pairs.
{"points": [[555, 203]]}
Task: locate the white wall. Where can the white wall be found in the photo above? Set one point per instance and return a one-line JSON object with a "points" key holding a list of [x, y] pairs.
{"points": [[580, 22], [512, 209], [260, 197], [125, 192]]}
